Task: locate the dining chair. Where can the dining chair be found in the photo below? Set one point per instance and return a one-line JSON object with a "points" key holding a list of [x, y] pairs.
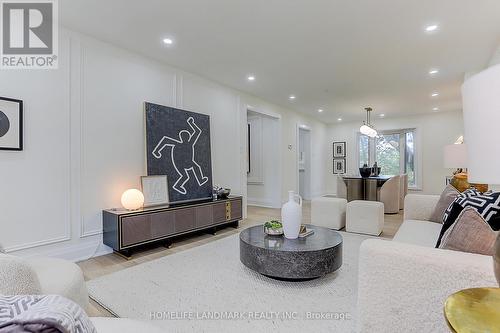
{"points": [[403, 190], [389, 194], [341, 187]]}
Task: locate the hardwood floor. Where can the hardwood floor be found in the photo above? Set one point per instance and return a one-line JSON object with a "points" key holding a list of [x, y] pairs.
{"points": [[99, 266]]}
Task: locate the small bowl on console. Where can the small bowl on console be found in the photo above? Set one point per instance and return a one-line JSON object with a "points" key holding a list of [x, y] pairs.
{"points": [[223, 193]]}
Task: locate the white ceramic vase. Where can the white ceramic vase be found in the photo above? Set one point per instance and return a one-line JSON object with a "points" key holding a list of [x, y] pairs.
{"points": [[291, 215]]}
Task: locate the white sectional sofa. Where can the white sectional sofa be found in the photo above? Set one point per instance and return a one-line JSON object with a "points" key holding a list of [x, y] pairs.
{"points": [[404, 283]]}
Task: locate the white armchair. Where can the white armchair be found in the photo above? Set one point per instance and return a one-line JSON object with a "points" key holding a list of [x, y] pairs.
{"points": [[42, 276], [389, 195]]}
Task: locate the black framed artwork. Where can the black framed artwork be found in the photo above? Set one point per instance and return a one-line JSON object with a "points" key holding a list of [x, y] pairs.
{"points": [[339, 149], [339, 166], [178, 146], [11, 124]]}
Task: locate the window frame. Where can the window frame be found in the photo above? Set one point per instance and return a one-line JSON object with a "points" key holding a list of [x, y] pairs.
{"points": [[372, 151]]}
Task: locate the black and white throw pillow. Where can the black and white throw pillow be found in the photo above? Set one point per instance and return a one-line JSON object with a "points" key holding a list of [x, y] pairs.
{"points": [[486, 204]]}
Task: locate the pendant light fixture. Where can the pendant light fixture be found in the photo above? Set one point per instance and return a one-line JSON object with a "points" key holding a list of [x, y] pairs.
{"points": [[367, 128]]}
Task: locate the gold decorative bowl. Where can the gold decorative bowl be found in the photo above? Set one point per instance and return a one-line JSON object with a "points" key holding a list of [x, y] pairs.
{"points": [[461, 183], [474, 310]]}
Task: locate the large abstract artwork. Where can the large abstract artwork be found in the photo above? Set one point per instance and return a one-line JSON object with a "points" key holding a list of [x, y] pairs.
{"points": [[178, 146]]}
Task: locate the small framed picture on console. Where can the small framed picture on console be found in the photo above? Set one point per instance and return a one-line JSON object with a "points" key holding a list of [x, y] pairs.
{"points": [[155, 190]]}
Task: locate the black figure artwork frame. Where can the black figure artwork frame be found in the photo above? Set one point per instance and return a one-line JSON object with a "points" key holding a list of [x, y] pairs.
{"points": [[178, 146], [339, 149], [11, 124]]}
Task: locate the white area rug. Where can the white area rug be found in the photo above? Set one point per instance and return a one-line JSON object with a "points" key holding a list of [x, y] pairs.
{"points": [[183, 289]]}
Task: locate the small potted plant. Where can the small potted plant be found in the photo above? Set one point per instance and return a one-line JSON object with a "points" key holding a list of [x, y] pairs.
{"points": [[273, 228]]}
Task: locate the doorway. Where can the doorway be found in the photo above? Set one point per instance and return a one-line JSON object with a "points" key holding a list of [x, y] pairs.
{"points": [[304, 162], [263, 160]]}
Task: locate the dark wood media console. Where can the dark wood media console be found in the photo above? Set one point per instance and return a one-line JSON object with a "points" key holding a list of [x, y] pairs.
{"points": [[125, 230]]}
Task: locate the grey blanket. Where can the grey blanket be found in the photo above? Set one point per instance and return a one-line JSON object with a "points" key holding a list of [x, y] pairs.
{"points": [[42, 314]]}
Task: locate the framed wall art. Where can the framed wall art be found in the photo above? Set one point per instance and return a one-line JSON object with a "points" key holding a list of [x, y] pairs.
{"points": [[11, 124], [155, 190], [339, 149], [339, 166], [178, 146]]}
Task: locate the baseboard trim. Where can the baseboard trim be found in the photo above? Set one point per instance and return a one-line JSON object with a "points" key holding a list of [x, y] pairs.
{"points": [[261, 203], [73, 252], [27, 246]]}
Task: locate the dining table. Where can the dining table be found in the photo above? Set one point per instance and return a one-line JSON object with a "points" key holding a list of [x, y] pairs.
{"points": [[364, 188]]}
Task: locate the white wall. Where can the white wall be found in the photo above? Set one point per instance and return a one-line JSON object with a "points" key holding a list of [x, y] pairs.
{"points": [[434, 131], [84, 142]]}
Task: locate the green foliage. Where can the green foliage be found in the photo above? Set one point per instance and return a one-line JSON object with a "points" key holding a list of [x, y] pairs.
{"points": [[273, 224], [388, 154]]}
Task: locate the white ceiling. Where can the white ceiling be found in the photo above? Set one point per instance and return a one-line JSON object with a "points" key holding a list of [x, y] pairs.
{"points": [[337, 55]]}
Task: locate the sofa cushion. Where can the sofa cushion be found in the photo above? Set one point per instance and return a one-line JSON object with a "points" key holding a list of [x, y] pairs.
{"points": [[486, 204], [470, 233], [17, 277], [445, 200], [423, 233]]}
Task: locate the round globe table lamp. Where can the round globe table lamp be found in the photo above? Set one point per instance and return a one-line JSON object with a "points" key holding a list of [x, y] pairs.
{"points": [[132, 199], [481, 110]]}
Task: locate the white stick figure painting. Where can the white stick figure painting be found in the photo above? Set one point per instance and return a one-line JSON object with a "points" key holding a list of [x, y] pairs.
{"points": [[184, 145], [178, 146]]}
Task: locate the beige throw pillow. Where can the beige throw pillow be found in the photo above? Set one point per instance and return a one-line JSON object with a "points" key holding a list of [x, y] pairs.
{"points": [[447, 197], [470, 233]]}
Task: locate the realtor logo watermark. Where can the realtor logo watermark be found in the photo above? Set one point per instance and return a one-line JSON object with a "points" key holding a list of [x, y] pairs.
{"points": [[29, 34]]}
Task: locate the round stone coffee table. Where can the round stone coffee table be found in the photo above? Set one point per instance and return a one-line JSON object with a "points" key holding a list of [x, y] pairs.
{"points": [[291, 259]]}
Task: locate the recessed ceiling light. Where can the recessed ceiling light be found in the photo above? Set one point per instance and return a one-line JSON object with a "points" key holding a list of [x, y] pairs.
{"points": [[251, 78], [382, 115], [320, 110], [431, 28], [435, 109], [433, 71], [168, 41], [435, 94], [292, 97], [339, 119]]}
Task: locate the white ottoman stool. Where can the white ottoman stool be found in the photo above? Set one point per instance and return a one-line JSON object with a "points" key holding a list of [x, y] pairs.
{"points": [[365, 217], [328, 212]]}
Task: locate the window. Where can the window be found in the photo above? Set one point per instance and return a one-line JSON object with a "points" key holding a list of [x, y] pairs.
{"points": [[394, 152], [364, 150]]}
